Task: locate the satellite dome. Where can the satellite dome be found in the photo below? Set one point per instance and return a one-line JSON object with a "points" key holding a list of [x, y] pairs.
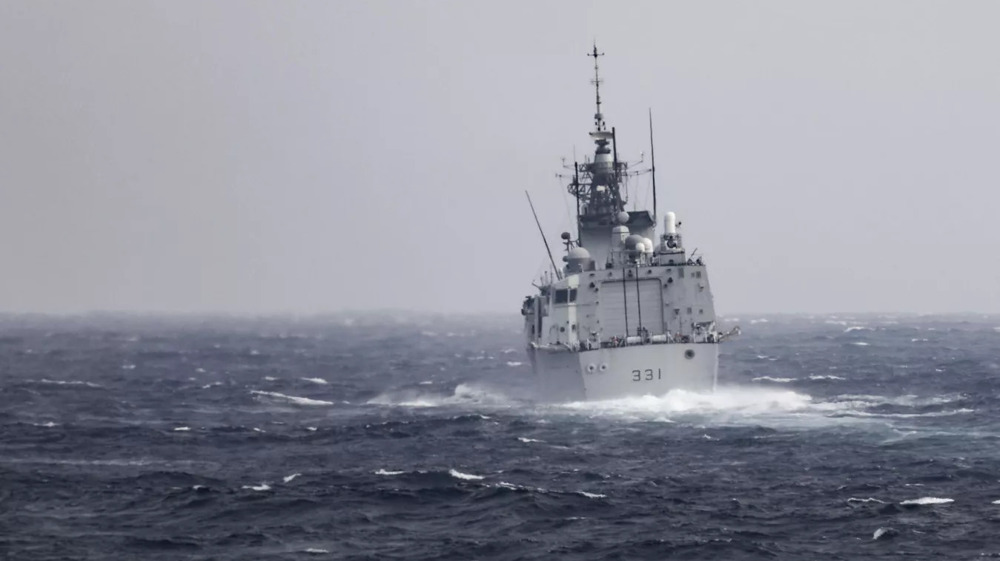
{"points": [[632, 243], [622, 217], [578, 260]]}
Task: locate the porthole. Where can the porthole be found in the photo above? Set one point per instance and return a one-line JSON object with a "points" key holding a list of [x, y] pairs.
{"points": [[604, 368], [591, 368], [689, 353]]}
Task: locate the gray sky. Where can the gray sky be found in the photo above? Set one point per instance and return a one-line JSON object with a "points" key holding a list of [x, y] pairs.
{"points": [[318, 156]]}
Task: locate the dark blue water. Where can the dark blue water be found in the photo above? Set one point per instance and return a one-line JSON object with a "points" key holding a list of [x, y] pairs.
{"points": [[415, 438]]}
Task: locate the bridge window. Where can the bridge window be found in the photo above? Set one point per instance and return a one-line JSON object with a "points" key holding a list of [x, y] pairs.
{"points": [[565, 296]]}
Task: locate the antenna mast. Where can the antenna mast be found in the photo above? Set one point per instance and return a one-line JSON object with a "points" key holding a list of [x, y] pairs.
{"points": [[598, 118], [652, 158]]}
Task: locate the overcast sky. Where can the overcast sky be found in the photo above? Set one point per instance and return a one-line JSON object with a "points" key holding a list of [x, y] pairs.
{"points": [[260, 157]]}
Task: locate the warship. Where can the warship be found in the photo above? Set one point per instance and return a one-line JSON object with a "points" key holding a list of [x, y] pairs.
{"points": [[623, 316]]}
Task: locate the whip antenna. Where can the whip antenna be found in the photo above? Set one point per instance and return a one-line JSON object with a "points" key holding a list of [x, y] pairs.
{"points": [[545, 241]]}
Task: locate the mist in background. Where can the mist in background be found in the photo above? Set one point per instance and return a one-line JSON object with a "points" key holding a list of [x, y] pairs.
{"points": [[306, 157]]}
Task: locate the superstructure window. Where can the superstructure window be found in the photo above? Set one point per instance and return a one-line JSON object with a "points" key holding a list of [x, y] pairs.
{"points": [[565, 296]]}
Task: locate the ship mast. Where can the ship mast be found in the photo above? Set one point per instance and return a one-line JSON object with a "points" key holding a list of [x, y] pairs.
{"points": [[598, 117]]}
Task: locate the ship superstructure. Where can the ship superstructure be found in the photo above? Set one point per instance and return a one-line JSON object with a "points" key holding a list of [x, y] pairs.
{"points": [[623, 316]]}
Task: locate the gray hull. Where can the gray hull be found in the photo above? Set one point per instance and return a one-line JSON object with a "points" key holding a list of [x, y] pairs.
{"points": [[618, 372]]}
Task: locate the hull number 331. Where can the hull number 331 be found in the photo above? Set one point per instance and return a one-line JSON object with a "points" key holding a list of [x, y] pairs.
{"points": [[647, 374]]}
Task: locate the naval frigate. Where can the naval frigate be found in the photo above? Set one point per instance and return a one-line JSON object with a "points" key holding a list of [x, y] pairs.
{"points": [[622, 317]]}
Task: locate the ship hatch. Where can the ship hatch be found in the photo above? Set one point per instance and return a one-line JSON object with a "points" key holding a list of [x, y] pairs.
{"points": [[645, 300]]}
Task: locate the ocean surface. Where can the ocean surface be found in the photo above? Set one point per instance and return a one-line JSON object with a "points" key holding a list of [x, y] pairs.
{"points": [[416, 437]]}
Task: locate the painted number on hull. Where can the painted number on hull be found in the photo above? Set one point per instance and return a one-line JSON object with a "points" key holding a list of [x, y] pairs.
{"points": [[646, 375]]}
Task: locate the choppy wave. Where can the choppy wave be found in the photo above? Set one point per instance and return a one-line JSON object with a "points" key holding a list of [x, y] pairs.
{"points": [[69, 383], [875, 450], [291, 398], [463, 394], [466, 476], [927, 501]]}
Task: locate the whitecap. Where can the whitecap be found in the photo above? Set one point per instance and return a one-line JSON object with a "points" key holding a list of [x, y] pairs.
{"points": [[181, 429], [270, 378], [868, 500], [128, 366], [962, 411], [996, 502], [383, 471], [514, 363], [592, 495], [320, 381], [464, 394], [761, 320], [825, 377], [527, 440], [467, 476], [261, 487], [212, 385], [289, 478], [772, 379], [426, 383], [927, 501], [312, 429], [48, 424], [857, 328], [885, 531], [292, 398], [860, 343], [69, 383], [314, 550]]}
